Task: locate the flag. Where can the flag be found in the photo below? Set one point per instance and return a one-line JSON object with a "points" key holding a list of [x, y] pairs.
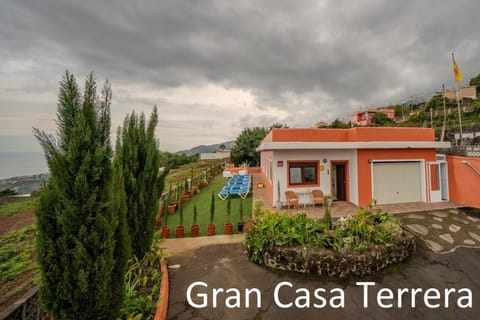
{"points": [[456, 71]]}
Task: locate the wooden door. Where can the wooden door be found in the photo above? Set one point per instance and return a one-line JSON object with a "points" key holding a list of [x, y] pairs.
{"points": [[341, 181]]}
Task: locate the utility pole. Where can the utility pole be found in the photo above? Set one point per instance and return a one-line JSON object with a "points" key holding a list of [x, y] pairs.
{"points": [[444, 125], [431, 118]]}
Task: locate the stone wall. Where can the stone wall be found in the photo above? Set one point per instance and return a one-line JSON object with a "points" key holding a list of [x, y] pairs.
{"points": [[27, 308], [330, 263]]}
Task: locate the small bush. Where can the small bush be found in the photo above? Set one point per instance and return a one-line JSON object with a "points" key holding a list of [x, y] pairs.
{"points": [[271, 228]]}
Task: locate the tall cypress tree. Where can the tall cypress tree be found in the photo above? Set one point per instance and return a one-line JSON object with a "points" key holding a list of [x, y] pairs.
{"points": [[76, 219], [140, 158]]}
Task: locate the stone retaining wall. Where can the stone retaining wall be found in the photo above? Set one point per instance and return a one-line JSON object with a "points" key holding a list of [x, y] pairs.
{"points": [[27, 308], [330, 263]]}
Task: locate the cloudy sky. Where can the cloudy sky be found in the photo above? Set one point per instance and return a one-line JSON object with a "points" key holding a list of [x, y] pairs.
{"points": [[215, 67]]}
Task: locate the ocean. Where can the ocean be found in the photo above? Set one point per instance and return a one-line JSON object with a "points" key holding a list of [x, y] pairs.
{"points": [[14, 164]]}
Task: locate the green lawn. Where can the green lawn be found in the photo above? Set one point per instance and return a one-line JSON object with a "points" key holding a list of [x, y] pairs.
{"points": [[203, 200], [16, 206]]}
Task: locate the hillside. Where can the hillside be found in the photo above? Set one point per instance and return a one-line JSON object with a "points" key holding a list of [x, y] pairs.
{"points": [[204, 149], [24, 184]]}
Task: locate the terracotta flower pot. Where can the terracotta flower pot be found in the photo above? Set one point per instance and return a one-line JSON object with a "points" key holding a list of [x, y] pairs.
{"points": [[165, 232], [179, 231], [195, 230], [211, 229], [228, 228], [171, 208], [159, 224], [185, 197]]}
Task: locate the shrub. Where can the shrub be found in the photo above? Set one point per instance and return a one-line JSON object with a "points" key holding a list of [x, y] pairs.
{"points": [[77, 224], [138, 156], [273, 228], [360, 231], [212, 208]]}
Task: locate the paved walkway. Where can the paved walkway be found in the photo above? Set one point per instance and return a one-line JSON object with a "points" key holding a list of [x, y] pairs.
{"points": [[185, 245], [226, 266], [444, 231]]}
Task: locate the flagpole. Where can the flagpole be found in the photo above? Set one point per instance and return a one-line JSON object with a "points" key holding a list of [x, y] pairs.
{"points": [[444, 125], [458, 106]]}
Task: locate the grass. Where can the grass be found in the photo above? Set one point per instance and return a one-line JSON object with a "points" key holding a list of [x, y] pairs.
{"points": [[17, 206], [17, 256], [203, 200]]}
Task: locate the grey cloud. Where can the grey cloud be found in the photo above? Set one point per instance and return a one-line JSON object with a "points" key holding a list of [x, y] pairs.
{"points": [[334, 56]]}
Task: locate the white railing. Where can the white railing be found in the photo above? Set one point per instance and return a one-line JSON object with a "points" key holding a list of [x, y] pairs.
{"points": [[468, 163]]}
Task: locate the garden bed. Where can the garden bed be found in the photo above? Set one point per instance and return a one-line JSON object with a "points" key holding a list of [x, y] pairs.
{"points": [[352, 247]]}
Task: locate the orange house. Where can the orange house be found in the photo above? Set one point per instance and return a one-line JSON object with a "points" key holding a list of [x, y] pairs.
{"points": [[364, 118], [391, 165]]}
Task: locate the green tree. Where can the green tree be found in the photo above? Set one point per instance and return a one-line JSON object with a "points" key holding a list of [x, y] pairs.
{"points": [[475, 81], [139, 157], [244, 150], [380, 119], [122, 250], [337, 123], [436, 103], [76, 221]]}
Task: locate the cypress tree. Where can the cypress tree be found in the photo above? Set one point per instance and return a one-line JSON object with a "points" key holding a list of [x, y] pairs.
{"points": [[140, 159], [76, 222], [122, 246]]}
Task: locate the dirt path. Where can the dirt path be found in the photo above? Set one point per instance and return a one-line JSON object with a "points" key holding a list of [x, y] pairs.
{"points": [[16, 221]]}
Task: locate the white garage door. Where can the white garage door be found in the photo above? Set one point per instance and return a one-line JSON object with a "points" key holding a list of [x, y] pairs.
{"points": [[397, 182]]}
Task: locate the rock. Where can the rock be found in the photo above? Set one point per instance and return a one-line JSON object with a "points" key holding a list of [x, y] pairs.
{"points": [[415, 216], [474, 236], [417, 228], [454, 228], [438, 219], [436, 247], [440, 214], [459, 220], [436, 226], [447, 237], [330, 263], [474, 220], [469, 242]]}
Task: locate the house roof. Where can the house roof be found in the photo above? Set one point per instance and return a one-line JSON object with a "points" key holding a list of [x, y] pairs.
{"points": [[353, 138]]}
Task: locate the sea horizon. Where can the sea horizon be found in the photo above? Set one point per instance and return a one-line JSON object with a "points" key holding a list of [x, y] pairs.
{"points": [[16, 164]]}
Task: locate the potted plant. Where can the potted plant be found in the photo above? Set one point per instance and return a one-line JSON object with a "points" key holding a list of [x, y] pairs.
{"points": [[327, 217], [177, 195], [228, 226], [278, 203], [195, 229], [185, 195], [171, 206], [166, 228], [328, 200], [180, 229], [161, 210], [241, 223], [211, 227]]}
